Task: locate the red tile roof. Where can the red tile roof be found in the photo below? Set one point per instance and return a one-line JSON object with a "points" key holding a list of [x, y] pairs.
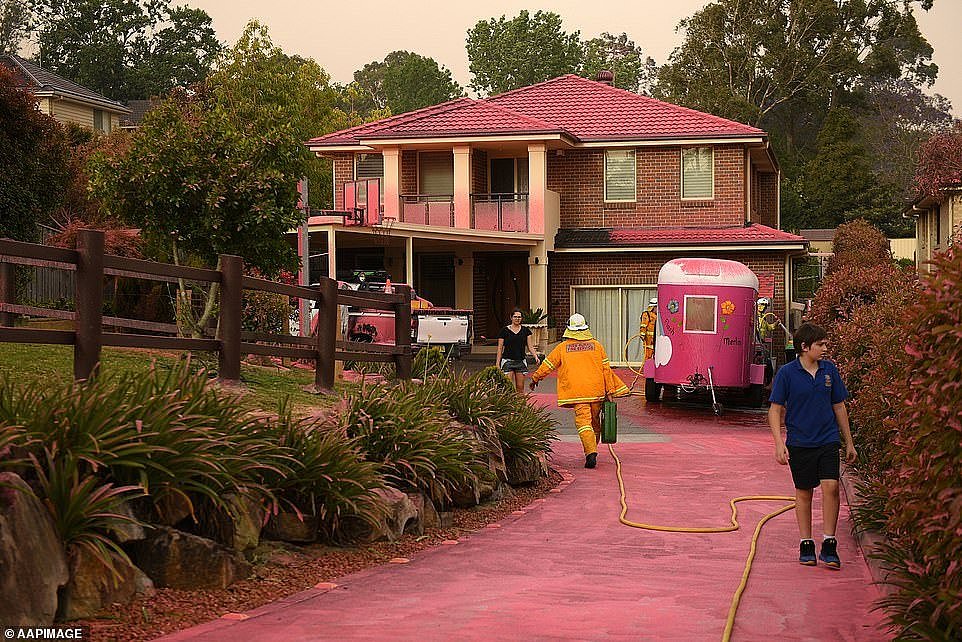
{"points": [[583, 109], [752, 234], [477, 117], [594, 111]]}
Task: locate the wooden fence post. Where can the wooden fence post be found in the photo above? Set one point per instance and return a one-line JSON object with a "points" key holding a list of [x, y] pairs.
{"points": [[89, 301], [8, 292], [231, 309], [402, 332], [326, 335]]}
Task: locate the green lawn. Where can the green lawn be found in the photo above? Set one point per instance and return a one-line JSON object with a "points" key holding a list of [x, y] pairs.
{"points": [[263, 387]]}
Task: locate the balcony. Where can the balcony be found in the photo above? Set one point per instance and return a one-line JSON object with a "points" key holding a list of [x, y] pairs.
{"points": [[500, 212], [428, 209], [489, 212]]}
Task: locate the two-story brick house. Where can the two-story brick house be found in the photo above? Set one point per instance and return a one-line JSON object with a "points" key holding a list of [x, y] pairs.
{"points": [[568, 195]]}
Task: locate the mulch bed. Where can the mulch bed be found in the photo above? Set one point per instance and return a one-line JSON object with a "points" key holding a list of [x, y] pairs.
{"points": [[288, 570]]}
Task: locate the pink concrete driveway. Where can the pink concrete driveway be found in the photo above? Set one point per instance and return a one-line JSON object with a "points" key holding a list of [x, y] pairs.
{"points": [[566, 569]]}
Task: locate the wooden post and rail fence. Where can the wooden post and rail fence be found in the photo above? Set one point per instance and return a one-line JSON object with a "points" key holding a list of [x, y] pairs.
{"points": [[91, 265]]}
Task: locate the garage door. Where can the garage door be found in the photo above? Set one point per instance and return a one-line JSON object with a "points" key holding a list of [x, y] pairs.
{"points": [[614, 314]]}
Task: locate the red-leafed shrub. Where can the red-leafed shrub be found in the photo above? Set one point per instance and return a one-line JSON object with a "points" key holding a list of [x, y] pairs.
{"points": [[923, 493], [940, 162], [843, 291], [117, 241], [859, 244]]}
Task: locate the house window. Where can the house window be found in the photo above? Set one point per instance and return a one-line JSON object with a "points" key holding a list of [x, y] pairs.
{"points": [[697, 173], [700, 314], [369, 166], [101, 121], [436, 173], [620, 175]]}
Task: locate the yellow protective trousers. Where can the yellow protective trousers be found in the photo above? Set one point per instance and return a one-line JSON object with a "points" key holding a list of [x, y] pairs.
{"points": [[588, 423]]}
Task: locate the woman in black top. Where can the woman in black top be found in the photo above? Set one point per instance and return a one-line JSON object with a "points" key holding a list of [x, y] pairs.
{"points": [[511, 345]]}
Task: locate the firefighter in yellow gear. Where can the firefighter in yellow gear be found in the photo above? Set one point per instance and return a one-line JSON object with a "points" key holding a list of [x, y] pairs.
{"points": [[765, 327], [649, 318], [585, 380]]}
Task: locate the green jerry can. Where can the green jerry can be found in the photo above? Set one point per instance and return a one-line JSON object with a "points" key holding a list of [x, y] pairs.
{"points": [[609, 422]]}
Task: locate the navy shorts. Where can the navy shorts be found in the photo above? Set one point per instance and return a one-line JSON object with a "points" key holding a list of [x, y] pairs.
{"points": [[811, 465], [514, 365]]}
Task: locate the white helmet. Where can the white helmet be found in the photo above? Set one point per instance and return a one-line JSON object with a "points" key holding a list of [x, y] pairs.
{"points": [[577, 322], [653, 301], [763, 301]]}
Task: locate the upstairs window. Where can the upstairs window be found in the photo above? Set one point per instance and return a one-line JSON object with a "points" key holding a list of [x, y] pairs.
{"points": [[620, 175], [369, 166], [698, 173]]}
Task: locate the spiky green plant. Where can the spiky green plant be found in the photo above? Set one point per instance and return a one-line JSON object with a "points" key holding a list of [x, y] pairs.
{"points": [[83, 506], [492, 378], [327, 476], [430, 362], [412, 441]]}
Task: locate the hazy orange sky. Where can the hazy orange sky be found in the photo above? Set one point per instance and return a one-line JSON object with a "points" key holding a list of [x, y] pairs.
{"points": [[344, 36]]}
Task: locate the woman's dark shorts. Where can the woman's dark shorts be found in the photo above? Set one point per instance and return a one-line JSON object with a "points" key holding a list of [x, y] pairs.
{"points": [[811, 465], [514, 365]]}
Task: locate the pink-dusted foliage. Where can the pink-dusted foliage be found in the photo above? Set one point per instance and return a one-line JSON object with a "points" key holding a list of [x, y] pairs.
{"points": [[940, 162], [118, 241], [923, 486], [859, 244], [843, 291]]}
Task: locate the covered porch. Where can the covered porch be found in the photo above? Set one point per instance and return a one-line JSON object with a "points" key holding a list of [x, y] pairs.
{"points": [[463, 269]]}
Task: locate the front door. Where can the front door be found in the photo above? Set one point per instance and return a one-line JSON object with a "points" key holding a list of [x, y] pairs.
{"points": [[507, 289]]}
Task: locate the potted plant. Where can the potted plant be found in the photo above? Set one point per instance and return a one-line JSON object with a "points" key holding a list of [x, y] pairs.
{"points": [[535, 320]]}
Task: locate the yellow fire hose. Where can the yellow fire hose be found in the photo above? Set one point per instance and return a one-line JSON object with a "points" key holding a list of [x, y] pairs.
{"points": [[733, 526]]}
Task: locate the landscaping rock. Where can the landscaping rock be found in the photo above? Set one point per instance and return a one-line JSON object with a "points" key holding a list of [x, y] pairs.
{"points": [[32, 558], [173, 559], [93, 586], [237, 527], [526, 471], [289, 527], [124, 532], [397, 510]]}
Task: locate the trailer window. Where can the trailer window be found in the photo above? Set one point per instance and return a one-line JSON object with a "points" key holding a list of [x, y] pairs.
{"points": [[700, 314]]}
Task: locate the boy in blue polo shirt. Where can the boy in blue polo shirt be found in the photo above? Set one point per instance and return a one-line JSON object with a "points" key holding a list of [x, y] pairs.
{"points": [[809, 394]]}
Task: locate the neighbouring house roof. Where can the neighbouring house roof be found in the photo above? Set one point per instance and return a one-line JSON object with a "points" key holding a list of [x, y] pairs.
{"points": [[741, 235], [139, 109], [580, 109], [818, 234], [43, 83]]}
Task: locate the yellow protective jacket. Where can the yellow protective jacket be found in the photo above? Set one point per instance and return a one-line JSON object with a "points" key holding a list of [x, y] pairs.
{"points": [[584, 374]]}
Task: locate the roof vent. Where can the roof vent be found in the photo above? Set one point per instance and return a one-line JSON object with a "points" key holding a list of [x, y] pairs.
{"points": [[606, 77]]}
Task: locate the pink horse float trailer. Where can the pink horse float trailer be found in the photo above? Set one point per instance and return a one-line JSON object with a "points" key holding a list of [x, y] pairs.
{"points": [[705, 332]]}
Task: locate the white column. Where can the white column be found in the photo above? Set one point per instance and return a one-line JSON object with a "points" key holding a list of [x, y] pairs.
{"points": [[409, 260], [462, 186], [464, 281], [392, 182], [537, 186], [538, 278], [331, 253]]}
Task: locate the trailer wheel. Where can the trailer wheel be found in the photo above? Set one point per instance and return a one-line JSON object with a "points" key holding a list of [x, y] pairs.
{"points": [[652, 390]]}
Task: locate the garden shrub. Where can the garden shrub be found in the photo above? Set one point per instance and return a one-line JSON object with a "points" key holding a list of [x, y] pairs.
{"points": [[327, 475], [859, 244], [265, 312], [492, 378], [429, 362], [850, 287], [411, 440], [924, 486]]}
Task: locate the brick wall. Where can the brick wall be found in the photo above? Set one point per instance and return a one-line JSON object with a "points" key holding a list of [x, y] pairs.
{"points": [[343, 172], [578, 177], [767, 191], [479, 171], [568, 269], [409, 172]]}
